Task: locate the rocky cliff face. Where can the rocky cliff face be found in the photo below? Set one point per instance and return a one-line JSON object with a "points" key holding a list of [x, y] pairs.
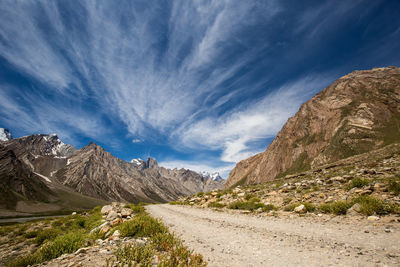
{"points": [[357, 113], [41, 168], [94, 172]]}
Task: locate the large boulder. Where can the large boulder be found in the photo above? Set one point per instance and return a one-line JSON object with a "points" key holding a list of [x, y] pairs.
{"points": [[106, 209]]}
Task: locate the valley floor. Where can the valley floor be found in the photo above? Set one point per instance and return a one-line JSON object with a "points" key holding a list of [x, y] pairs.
{"points": [[235, 239]]}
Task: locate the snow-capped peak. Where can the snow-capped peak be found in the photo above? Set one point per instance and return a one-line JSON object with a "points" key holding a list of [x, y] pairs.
{"points": [[137, 162], [5, 135], [213, 176]]}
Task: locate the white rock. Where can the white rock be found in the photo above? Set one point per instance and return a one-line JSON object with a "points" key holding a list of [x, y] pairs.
{"points": [[116, 234], [112, 215], [106, 209], [74, 213], [300, 209], [373, 218]]}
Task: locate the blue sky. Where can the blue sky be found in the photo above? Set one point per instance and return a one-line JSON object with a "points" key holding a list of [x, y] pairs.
{"points": [[195, 84]]}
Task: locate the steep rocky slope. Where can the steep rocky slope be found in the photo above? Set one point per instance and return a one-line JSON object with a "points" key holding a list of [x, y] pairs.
{"points": [[357, 113], [41, 173], [95, 172]]}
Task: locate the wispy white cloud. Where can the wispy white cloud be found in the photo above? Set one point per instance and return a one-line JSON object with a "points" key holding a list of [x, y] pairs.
{"points": [[253, 121]]}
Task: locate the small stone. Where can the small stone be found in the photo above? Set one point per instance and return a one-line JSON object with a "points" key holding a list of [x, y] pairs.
{"points": [[74, 213], [116, 233], [373, 218], [116, 221], [300, 209], [387, 230], [105, 229]]}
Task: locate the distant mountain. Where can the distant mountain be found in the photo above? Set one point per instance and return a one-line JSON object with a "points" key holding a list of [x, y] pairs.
{"points": [[42, 170], [213, 176], [358, 113], [5, 135]]}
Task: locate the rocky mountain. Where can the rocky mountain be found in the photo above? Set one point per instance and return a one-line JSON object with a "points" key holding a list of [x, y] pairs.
{"points": [[41, 170], [5, 135], [94, 172], [359, 112]]}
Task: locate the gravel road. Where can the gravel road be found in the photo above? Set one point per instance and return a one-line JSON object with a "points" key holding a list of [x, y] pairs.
{"points": [[235, 239]]}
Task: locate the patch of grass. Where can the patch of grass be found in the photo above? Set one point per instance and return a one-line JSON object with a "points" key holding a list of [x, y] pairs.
{"points": [[47, 234], [136, 208], [141, 226], [130, 255], [31, 234], [248, 196], [254, 199], [181, 256], [245, 205], [66, 243], [394, 186], [308, 206], [175, 202], [200, 194], [337, 207], [216, 205], [164, 241], [370, 205], [357, 182]]}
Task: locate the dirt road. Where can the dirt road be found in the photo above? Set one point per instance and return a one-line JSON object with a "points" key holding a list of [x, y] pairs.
{"points": [[234, 239]]}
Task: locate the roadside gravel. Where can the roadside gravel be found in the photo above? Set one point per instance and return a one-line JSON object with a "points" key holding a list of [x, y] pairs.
{"points": [[235, 239]]}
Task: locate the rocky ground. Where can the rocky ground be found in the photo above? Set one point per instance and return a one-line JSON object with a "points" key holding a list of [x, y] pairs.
{"points": [[374, 177], [284, 239]]}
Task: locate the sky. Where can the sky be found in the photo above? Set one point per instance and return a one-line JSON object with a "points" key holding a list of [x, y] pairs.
{"points": [[194, 84]]}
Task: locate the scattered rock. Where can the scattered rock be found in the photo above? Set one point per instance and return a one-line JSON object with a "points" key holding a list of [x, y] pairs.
{"points": [[373, 218], [112, 215], [300, 209], [74, 213], [106, 209]]}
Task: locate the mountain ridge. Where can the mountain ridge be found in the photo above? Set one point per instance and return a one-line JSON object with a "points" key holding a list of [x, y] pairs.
{"points": [[357, 113]]}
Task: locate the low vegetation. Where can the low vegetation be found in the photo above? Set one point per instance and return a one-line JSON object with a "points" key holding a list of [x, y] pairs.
{"points": [[67, 234], [357, 182]]}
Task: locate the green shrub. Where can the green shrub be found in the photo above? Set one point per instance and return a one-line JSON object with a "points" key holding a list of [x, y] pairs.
{"points": [[357, 182], [136, 208], [394, 186], [337, 207], [254, 199], [31, 234], [199, 194], [370, 205], [175, 203], [164, 241], [141, 226], [269, 207], [131, 255], [245, 205], [248, 196], [181, 256], [47, 234], [67, 243], [216, 205]]}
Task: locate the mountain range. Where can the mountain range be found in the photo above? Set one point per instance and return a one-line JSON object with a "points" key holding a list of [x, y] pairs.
{"points": [[41, 173], [359, 112]]}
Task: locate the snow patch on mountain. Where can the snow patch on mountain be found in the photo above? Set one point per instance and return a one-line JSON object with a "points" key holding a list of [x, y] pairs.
{"points": [[213, 176], [137, 162], [5, 135]]}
